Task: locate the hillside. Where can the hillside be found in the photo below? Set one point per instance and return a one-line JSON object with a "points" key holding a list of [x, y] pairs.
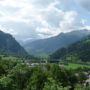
{"points": [[77, 51], [8, 45], [47, 46]]}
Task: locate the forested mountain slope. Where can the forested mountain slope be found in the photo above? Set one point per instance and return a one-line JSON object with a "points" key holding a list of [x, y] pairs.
{"points": [[9, 46], [76, 51]]}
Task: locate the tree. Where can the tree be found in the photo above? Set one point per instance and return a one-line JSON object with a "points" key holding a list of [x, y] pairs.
{"points": [[38, 79], [2, 70], [20, 75], [82, 77], [51, 84], [6, 83], [60, 75]]}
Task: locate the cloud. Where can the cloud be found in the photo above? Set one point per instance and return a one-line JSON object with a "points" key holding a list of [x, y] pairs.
{"points": [[53, 16], [42, 3], [87, 27], [61, 21], [71, 21], [8, 30], [85, 4], [37, 18]]}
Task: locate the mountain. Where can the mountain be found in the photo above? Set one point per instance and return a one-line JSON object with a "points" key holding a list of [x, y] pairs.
{"points": [[47, 46], [76, 51], [24, 43], [8, 45]]}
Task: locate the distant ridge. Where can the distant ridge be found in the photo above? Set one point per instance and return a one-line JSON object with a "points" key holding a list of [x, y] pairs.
{"points": [[47, 46]]}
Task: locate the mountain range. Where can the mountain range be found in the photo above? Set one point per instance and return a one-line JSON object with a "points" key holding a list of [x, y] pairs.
{"points": [[75, 44], [47, 46]]}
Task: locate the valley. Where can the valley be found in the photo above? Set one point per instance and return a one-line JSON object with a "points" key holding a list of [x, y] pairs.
{"points": [[66, 69]]}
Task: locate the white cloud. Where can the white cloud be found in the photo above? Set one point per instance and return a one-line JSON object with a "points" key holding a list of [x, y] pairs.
{"points": [[36, 18], [8, 30], [70, 21], [87, 27]]}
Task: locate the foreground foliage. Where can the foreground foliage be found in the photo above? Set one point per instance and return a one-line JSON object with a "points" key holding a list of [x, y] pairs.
{"points": [[15, 76]]}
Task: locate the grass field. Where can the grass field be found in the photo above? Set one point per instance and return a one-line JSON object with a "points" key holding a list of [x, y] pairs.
{"points": [[75, 66]]}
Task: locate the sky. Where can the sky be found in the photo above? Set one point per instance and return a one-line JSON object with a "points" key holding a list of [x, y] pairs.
{"points": [[39, 19]]}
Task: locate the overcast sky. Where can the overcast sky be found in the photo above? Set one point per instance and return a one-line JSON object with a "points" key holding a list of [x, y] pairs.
{"points": [[31, 19]]}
